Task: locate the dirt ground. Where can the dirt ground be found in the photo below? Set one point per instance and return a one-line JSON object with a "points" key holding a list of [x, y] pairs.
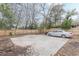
{"points": [[71, 48], [7, 48]]}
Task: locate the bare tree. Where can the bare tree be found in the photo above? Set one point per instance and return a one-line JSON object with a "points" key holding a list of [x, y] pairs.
{"points": [[43, 11], [27, 15], [32, 14], [71, 13], [18, 11], [56, 12]]}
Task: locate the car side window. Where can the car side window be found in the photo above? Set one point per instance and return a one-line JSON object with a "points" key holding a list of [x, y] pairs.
{"points": [[54, 31], [60, 31], [57, 31]]}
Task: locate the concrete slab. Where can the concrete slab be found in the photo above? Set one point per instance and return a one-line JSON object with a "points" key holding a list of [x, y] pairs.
{"points": [[45, 45]]}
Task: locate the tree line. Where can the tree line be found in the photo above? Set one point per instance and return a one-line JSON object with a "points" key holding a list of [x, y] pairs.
{"points": [[35, 16]]}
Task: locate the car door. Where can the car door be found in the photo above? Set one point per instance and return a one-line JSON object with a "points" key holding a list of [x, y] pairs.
{"points": [[59, 33], [54, 33]]}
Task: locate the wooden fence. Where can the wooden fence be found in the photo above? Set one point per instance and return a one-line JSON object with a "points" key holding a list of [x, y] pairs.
{"points": [[21, 32]]}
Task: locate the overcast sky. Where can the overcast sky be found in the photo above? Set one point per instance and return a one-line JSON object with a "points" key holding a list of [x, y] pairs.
{"points": [[70, 6]]}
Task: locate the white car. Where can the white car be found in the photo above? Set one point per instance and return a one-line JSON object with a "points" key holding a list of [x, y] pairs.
{"points": [[60, 33]]}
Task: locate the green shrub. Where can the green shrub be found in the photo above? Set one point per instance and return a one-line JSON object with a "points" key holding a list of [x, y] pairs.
{"points": [[48, 26], [10, 33], [56, 26], [67, 24], [45, 26]]}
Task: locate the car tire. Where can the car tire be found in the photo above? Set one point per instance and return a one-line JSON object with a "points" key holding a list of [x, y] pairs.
{"points": [[63, 36]]}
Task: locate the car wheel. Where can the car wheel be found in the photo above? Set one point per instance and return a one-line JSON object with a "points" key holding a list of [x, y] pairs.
{"points": [[63, 36]]}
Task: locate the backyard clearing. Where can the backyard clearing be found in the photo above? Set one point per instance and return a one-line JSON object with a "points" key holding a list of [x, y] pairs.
{"points": [[42, 44]]}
